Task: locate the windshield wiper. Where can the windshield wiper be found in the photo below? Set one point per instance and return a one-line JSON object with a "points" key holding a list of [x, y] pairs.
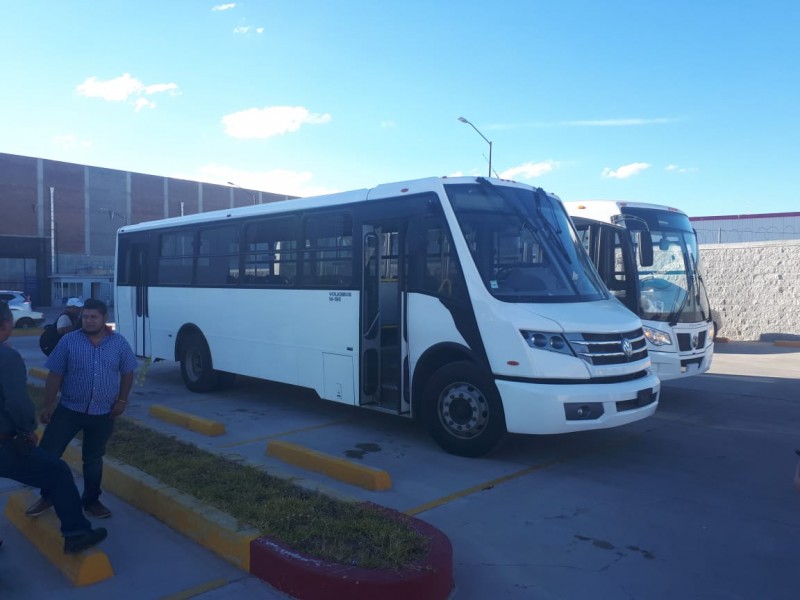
{"points": [[690, 287], [552, 238], [551, 232]]}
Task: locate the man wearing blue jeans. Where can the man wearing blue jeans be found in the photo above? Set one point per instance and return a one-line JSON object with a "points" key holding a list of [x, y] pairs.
{"points": [[20, 458], [93, 368]]}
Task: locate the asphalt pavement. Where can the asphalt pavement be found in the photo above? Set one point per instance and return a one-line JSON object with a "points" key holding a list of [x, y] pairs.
{"points": [[694, 502]]}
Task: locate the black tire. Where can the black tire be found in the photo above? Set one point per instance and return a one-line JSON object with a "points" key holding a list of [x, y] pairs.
{"points": [[462, 410], [24, 323], [196, 369]]}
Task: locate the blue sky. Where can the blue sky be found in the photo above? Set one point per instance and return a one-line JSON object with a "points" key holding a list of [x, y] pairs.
{"points": [[693, 104]]}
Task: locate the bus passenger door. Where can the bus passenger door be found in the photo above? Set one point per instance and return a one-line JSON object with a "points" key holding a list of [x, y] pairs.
{"points": [[384, 348], [141, 317]]}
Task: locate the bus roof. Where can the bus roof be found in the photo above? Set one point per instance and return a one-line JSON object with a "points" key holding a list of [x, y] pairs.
{"points": [[385, 190], [615, 206]]}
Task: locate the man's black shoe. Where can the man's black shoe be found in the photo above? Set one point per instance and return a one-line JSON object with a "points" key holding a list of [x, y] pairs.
{"points": [[78, 543]]}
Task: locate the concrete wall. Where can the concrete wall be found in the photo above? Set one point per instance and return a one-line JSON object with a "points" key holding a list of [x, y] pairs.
{"points": [[755, 286]]}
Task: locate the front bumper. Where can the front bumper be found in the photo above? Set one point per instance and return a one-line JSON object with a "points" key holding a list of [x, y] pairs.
{"points": [[537, 408]]}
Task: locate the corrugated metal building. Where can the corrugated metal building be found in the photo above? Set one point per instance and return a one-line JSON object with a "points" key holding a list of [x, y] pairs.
{"points": [[729, 229], [59, 221]]}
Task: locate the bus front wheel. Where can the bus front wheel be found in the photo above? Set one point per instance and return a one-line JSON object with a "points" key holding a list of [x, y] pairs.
{"points": [[196, 369], [463, 411]]}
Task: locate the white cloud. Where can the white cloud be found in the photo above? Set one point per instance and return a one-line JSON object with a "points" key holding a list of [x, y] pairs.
{"points": [[529, 170], [262, 123], [158, 88], [276, 181], [70, 142], [220, 7], [626, 171], [141, 103], [123, 89], [678, 169], [113, 90], [456, 174], [617, 122], [387, 124], [245, 29]]}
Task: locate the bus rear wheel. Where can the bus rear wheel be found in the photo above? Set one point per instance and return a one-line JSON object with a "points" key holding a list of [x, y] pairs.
{"points": [[463, 411], [196, 368]]}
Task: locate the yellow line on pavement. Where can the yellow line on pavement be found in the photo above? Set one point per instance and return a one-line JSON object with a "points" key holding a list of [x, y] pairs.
{"points": [[196, 590], [481, 487], [506, 478]]}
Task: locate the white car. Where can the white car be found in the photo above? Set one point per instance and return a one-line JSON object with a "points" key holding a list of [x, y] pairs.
{"points": [[16, 299], [25, 319]]}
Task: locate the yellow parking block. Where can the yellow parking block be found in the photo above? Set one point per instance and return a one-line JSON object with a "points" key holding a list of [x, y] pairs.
{"points": [[344, 470], [38, 373], [187, 420], [787, 343], [44, 532]]}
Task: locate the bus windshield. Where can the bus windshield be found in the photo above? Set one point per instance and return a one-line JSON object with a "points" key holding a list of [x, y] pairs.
{"points": [[673, 289], [523, 244]]}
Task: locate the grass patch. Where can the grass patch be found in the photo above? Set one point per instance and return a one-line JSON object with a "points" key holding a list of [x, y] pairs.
{"points": [[308, 521]]}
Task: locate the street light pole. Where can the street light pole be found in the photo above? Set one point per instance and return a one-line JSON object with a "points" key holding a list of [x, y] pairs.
{"points": [[463, 120], [244, 190]]}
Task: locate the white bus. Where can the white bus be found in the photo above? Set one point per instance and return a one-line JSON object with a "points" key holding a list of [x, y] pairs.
{"points": [[467, 302], [673, 303]]}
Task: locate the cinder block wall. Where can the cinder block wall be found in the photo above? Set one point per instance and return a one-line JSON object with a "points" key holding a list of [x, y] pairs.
{"points": [[755, 286]]}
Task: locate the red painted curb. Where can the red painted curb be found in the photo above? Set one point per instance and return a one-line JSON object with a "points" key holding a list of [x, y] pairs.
{"points": [[308, 578]]}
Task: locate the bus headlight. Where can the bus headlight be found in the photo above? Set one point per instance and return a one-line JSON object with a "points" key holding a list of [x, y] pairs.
{"points": [[657, 337], [544, 340]]}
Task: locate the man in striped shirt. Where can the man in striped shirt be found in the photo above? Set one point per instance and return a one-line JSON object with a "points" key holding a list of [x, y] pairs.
{"points": [[93, 368]]}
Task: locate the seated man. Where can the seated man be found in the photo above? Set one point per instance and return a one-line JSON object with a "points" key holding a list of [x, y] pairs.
{"points": [[22, 460]]}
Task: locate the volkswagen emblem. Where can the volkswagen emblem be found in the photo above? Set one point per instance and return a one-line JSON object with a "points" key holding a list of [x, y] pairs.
{"points": [[694, 341], [627, 348]]}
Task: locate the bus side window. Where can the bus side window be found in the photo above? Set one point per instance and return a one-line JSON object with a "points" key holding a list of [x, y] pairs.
{"points": [[175, 257], [442, 270], [328, 251], [218, 256], [270, 252]]}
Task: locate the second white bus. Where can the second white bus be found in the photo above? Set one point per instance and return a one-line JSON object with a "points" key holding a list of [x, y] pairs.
{"points": [[673, 302], [469, 303]]}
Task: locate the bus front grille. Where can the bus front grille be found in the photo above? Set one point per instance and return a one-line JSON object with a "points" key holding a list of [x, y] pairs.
{"points": [[688, 342], [609, 348]]}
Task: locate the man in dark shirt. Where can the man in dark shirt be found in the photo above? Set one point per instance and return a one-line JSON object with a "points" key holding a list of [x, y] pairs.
{"points": [[22, 460]]}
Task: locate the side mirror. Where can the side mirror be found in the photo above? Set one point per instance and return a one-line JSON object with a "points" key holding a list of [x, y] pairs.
{"points": [[644, 245]]}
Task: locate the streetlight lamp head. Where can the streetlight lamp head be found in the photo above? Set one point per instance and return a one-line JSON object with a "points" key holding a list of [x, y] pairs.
{"points": [[485, 139]]}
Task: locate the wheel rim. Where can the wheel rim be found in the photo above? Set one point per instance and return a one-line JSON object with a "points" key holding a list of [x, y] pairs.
{"points": [[463, 410], [194, 364]]}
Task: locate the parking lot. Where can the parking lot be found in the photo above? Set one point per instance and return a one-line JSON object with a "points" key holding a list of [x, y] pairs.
{"points": [[694, 502]]}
